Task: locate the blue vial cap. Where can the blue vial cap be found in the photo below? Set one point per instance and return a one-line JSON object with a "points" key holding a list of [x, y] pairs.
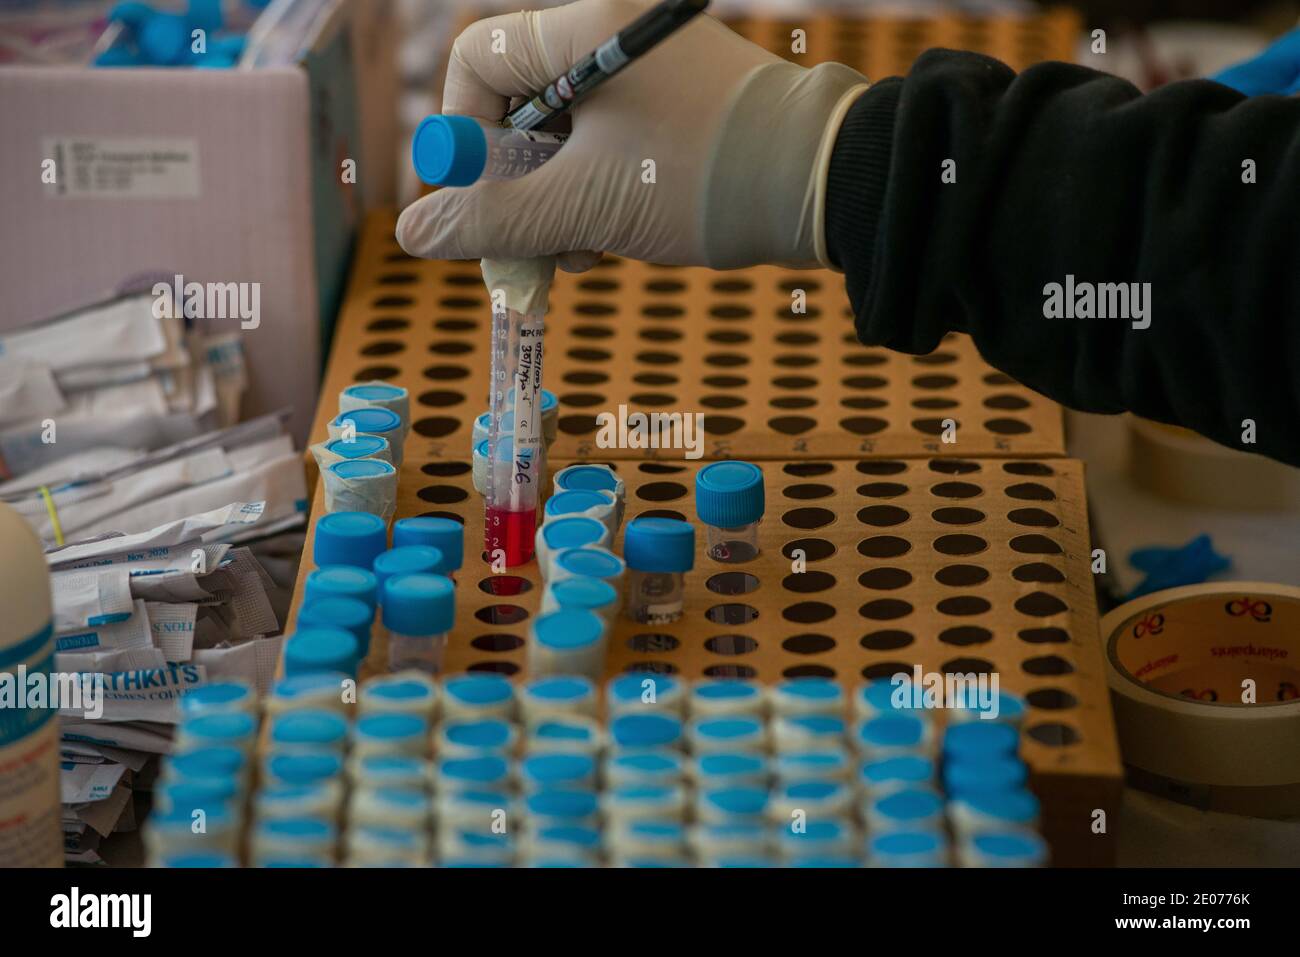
{"points": [[562, 729], [371, 420], [350, 614], [659, 545], [1011, 807], [391, 727], [729, 494], [727, 689], [568, 628], [583, 593], [220, 728], [290, 688], [445, 534], [407, 560], [892, 731], [905, 769], [216, 696], [196, 792], [582, 838], [203, 859], [206, 15], [572, 532], [219, 761], [631, 688], [308, 727], [746, 801], [728, 729], [486, 770], [479, 690], [906, 843], [305, 768], [731, 765], [577, 501], [490, 733], [967, 776], [419, 604], [587, 477], [375, 392], [342, 581], [561, 688], [805, 764], [359, 447], [912, 804], [973, 739], [565, 804], [645, 730], [231, 45], [884, 695], [557, 770], [449, 150], [349, 538], [593, 562], [310, 650], [164, 39], [810, 689], [353, 469], [1022, 848]]}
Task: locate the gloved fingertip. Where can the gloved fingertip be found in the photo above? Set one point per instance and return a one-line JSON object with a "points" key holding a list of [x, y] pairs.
{"points": [[578, 261]]}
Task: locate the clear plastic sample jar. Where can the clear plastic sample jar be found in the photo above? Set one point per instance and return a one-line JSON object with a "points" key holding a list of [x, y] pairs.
{"points": [[659, 552], [460, 150], [418, 611], [729, 499]]}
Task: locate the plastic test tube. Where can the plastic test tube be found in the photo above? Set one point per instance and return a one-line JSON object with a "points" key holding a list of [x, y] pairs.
{"points": [[349, 538], [659, 552], [459, 151], [729, 499], [418, 611], [445, 534]]}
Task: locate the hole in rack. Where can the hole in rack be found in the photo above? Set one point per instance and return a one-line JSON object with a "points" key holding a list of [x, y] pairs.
{"points": [[1044, 636], [792, 424], [442, 494], [435, 427], [956, 490], [445, 469], [504, 585], [1052, 699], [1047, 665], [455, 325], [501, 614], [792, 402], [953, 515], [883, 516], [1033, 517], [963, 606], [1038, 572], [660, 468], [886, 609], [1027, 468], [807, 490], [446, 373], [586, 377], [439, 399], [732, 583], [725, 381], [808, 612], [808, 644], [864, 382], [808, 671], [732, 613], [722, 424], [581, 400], [387, 324], [884, 546], [808, 469], [384, 347], [661, 491], [652, 667], [496, 642], [881, 467], [1054, 734], [1035, 545], [813, 549], [863, 424], [1007, 426], [882, 489], [451, 347], [794, 382], [808, 518], [495, 667], [1031, 492], [651, 643], [885, 578], [959, 544], [886, 670], [807, 582], [1039, 604], [662, 513], [888, 639], [376, 372], [722, 401], [730, 671], [959, 576], [966, 666], [730, 644], [964, 635]]}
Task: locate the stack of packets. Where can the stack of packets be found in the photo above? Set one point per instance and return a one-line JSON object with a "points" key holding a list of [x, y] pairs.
{"points": [[171, 532]]}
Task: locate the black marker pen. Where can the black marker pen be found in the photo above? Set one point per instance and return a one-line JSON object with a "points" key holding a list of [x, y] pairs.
{"points": [[656, 24]]}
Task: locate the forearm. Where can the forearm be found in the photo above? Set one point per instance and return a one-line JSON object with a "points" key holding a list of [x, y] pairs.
{"points": [[1064, 172]]}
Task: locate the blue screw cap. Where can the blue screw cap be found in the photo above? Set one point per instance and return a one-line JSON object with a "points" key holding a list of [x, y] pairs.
{"points": [[590, 562], [349, 538], [445, 534], [361, 447], [572, 532], [659, 545], [164, 39], [578, 501], [449, 150], [588, 594], [587, 477], [350, 614], [372, 420], [342, 581], [353, 469], [568, 628], [310, 650], [419, 604], [407, 560], [729, 494]]}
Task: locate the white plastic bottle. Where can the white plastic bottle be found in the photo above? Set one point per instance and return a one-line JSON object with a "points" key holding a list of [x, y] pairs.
{"points": [[30, 835]]}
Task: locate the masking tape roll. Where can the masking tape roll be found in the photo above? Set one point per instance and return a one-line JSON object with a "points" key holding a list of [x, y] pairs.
{"points": [[1177, 464], [1205, 681]]}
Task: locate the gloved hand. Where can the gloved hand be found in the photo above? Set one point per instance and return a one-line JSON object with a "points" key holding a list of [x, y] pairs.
{"points": [[740, 141], [1276, 70]]}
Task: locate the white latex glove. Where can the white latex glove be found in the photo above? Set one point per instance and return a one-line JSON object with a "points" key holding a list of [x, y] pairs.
{"points": [[740, 140]]}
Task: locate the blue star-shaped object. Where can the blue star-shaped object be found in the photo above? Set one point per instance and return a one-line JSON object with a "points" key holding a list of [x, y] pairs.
{"points": [[1188, 564]]}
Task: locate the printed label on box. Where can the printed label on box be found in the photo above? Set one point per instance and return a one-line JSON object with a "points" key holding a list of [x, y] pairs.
{"points": [[123, 167]]}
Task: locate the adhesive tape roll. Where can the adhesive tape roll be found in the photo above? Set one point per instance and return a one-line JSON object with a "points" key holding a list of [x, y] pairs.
{"points": [[1205, 681], [1177, 464]]}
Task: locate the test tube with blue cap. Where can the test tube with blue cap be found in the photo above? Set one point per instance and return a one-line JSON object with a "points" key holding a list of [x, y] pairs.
{"points": [[729, 500], [445, 534], [659, 552], [418, 612]]}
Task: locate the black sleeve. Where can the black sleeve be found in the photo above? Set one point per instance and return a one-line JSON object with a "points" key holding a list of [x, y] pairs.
{"points": [[1063, 171]]}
